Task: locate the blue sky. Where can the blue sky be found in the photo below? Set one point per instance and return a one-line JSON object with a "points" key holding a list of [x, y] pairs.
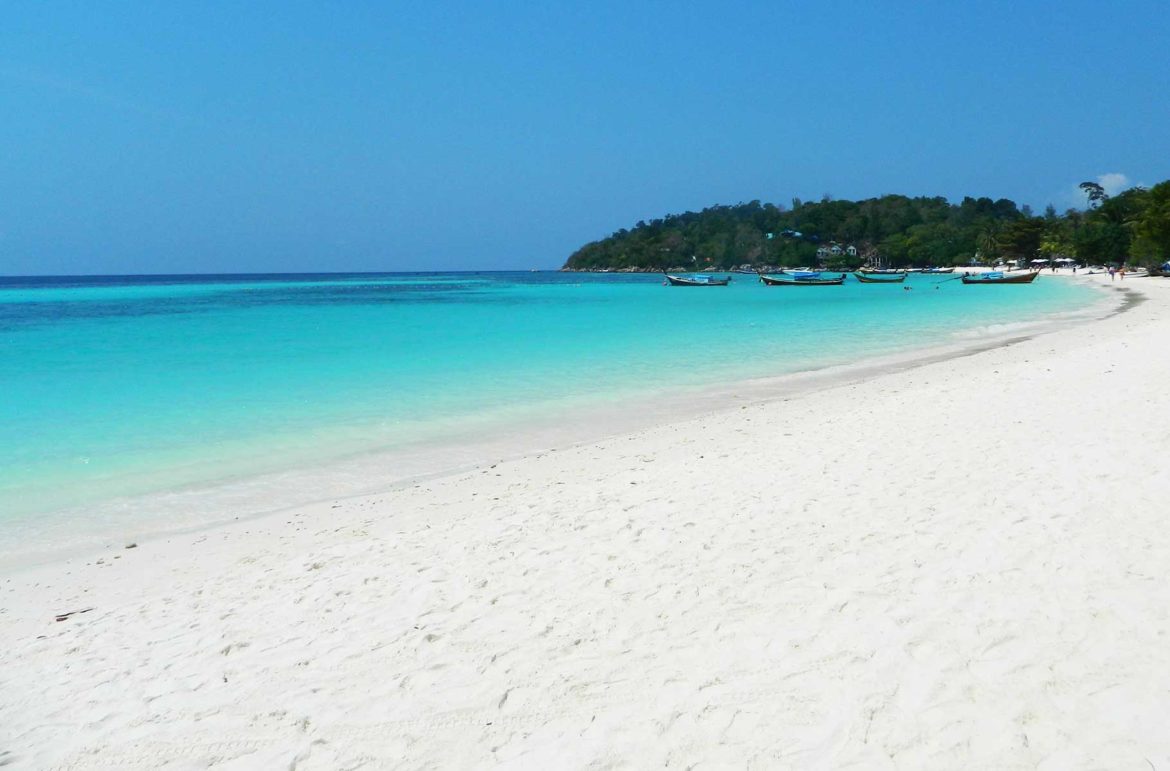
{"points": [[204, 137]]}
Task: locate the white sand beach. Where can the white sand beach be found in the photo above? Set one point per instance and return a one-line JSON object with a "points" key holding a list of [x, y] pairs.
{"points": [[958, 565]]}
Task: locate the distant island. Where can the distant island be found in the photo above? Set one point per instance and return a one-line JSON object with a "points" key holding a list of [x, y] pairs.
{"points": [[892, 231]]}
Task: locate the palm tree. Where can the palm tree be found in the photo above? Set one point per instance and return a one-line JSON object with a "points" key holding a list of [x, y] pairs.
{"points": [[988, 243]]}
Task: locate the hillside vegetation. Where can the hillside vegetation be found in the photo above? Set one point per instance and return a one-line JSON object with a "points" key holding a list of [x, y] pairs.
{"points": [[893, 230]]}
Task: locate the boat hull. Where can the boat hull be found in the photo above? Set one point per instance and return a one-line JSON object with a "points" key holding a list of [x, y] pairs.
{"points": [[770, 281], [1023, 278], [680, 281], [879, 279]]}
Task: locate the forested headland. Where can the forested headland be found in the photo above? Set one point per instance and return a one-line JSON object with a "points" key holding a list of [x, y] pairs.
{"points": [[1132, 227]]}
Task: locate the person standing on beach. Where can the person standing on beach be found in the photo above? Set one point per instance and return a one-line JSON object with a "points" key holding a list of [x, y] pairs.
{"points": [[1121, 272], [1112, 273]]}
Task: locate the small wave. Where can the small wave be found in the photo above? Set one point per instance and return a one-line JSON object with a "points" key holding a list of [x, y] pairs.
{"points": [[995, 330]]}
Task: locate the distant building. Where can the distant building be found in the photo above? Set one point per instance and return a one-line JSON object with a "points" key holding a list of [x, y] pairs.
{"points": [[834, 249]]}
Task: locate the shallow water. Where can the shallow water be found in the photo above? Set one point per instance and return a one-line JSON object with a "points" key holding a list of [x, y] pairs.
{"points": [[120, 386]]}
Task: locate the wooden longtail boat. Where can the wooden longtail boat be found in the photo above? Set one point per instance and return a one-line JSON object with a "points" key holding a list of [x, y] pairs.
{"points": [[773, 281], [938, 270], [877, 278], [1000, 278], [695, 280]]}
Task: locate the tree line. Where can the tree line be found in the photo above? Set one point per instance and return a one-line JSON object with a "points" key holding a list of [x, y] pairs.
{"points": [[1132, 228]]}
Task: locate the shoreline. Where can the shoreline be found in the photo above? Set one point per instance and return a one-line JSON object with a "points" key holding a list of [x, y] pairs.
{"points": [[939, 566], [184, 509]]}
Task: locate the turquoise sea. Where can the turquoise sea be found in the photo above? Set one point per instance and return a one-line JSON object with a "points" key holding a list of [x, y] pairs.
{"points": [[124, 386]]}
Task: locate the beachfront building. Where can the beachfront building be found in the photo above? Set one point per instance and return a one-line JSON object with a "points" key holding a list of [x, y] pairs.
{"points": [[834, 249]]}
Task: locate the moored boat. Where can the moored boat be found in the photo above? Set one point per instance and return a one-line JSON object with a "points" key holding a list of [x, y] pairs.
{"points": [[938, 270], [696, 279], [996, 277], [879, 278], [811, 280]]}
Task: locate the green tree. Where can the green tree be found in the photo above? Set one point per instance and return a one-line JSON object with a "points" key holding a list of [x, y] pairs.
{"points": [[1021, 239], [987, 244], [1152, 226], [1094, 192], [1102, 242]]}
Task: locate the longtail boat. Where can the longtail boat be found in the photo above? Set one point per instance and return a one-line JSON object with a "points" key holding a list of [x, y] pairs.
{"points": [[938, 270], [878, 278], [1000, 278], [794, 273], [697, 279], [799, 281]]}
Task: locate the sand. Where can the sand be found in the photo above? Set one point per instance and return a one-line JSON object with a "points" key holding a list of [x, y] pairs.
{"points": [[958, 565]]}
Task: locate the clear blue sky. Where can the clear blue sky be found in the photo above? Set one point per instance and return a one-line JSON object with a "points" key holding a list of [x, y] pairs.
{"points": [[204, 136]]}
